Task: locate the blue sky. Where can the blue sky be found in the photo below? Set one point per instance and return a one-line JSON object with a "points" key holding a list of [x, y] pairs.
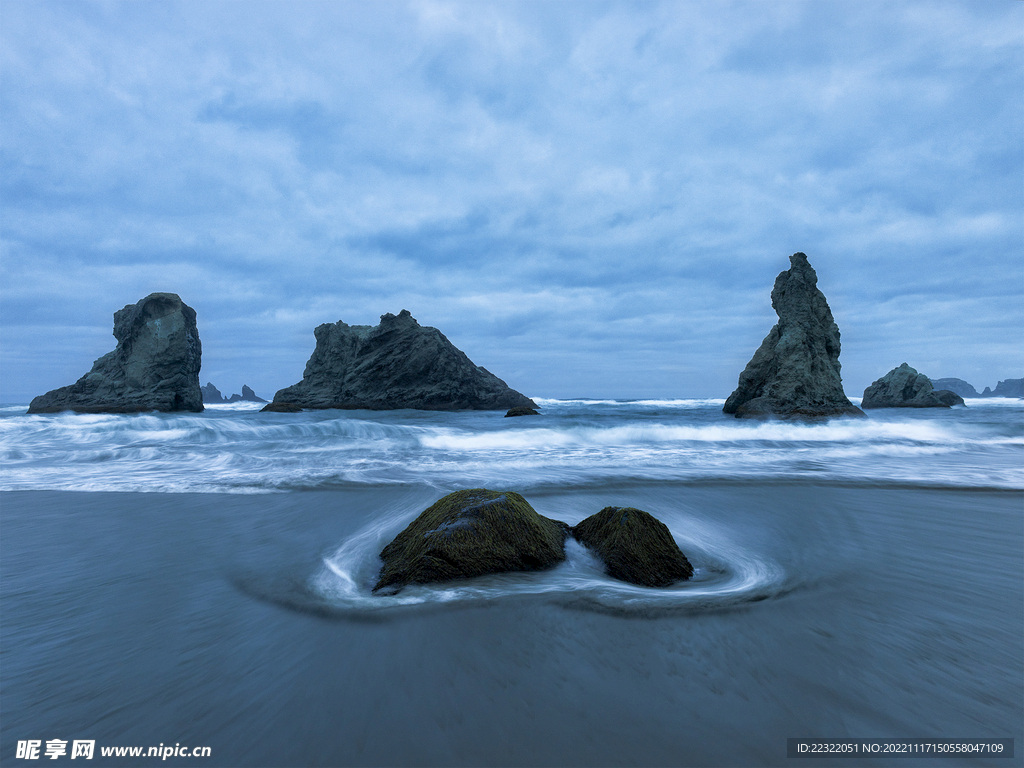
{"points": [[589, 199]]}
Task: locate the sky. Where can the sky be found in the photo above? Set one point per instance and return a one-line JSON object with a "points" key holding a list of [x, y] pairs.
{"points": [[590, 199]]}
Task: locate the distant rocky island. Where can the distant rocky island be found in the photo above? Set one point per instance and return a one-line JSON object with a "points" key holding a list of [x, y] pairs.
{"points": [[1006, 388], [794, 374], [155, 366], [904, 387], [396, 364], [212, 396], [959, 386]]}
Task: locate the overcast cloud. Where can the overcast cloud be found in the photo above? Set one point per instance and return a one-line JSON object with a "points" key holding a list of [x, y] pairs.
{"points": [[589, 199]]}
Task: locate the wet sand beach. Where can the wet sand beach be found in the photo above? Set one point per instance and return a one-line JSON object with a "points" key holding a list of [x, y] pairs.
{"points": [[824, 610]]}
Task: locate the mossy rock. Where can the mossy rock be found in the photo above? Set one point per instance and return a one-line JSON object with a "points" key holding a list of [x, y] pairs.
{"points": [[635, 546], [521, 410], [472, 533]]}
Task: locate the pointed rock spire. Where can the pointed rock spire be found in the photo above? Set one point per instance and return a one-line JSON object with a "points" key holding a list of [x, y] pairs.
{"points": [[794, 374]]}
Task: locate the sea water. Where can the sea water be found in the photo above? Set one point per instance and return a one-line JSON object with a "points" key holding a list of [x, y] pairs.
{"points": [[237, 449], [206, 579]]}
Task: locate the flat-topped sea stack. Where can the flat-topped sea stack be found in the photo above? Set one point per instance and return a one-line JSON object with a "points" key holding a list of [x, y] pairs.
{"points": [[794, 374], [397, 364], [904, 387], [155, 366]]}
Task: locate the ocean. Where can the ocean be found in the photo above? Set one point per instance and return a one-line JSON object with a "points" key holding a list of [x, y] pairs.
{"points": [[203, 580]]}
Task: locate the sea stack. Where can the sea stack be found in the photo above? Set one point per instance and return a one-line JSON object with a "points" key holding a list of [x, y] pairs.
{"points": [[397, 364], [155, 366], [211, 395], [904, 387], [794, 374], [247, 396]]}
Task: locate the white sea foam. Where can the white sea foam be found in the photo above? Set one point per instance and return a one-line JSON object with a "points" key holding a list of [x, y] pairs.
{"points": [[247, 451], [544, 402], [241, 406], [724, 432]]}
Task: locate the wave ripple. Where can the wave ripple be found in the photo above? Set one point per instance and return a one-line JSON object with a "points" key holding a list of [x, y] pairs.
{"points": [[574, 443]]}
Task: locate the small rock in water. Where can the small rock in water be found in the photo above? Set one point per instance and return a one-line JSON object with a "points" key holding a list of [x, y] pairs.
{"points": [[904, 387], [472, 533], [522, 410], [635, 546]]}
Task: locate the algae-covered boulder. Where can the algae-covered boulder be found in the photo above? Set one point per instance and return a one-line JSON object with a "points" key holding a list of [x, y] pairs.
{"points": [[472, 533], [635, 546]]}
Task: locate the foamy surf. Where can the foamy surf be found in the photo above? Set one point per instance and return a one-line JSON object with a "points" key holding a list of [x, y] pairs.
{"points": [[724, 574], [237, 449]]}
